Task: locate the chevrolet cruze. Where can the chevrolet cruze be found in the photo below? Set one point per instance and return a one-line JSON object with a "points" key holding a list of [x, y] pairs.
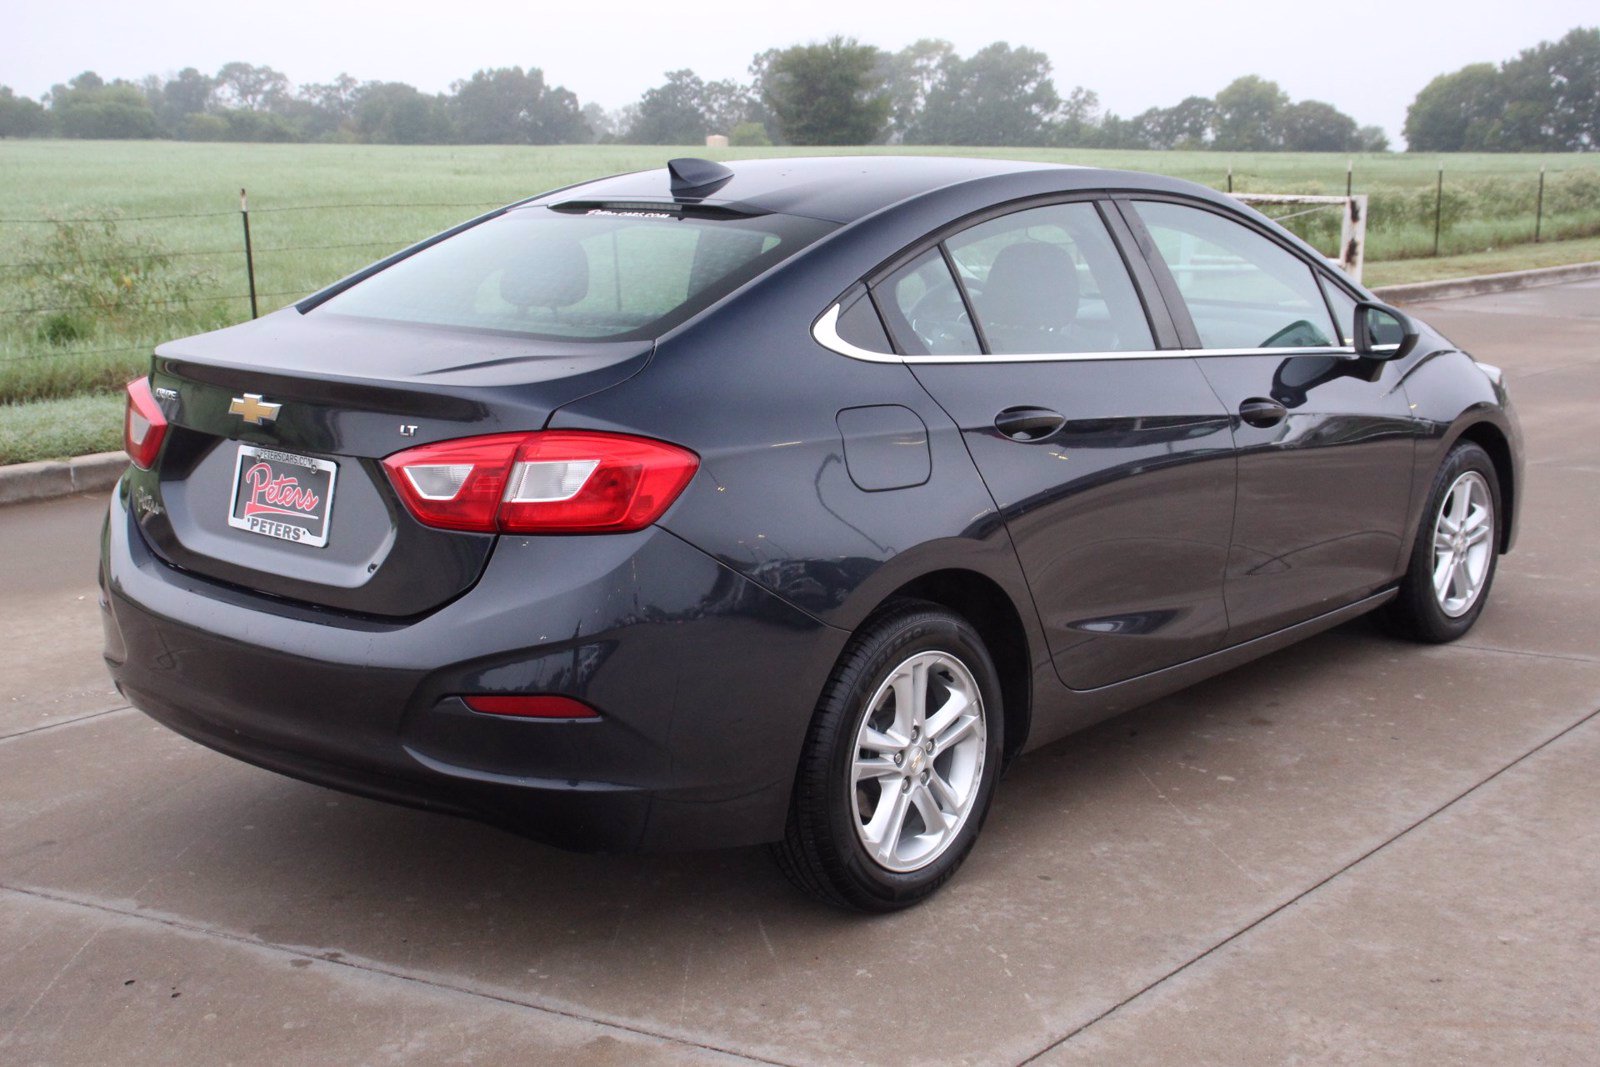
{"points": [[785, 502]]}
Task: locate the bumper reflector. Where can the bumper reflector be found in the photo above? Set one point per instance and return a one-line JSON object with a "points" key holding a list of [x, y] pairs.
{"points": [[544, 706]]}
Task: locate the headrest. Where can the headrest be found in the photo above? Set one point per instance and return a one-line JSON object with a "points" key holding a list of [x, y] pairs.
{"points": [[552, 273], [1033, 285]]}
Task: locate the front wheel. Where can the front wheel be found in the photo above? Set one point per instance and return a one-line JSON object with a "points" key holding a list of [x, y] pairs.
{"points": [[899, 765], [1453, 561]]}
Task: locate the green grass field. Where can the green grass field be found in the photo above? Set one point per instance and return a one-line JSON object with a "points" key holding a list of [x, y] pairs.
{"points": [[73, 328]]}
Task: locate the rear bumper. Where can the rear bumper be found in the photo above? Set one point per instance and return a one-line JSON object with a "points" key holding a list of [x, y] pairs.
{"points": [[704, 680]]}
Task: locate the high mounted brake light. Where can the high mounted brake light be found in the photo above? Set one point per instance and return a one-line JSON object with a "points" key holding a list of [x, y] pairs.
{"points": [[557, 481], [143, 425]]}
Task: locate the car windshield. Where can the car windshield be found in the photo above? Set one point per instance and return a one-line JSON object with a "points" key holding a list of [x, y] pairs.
{"points": [[586, 274]]}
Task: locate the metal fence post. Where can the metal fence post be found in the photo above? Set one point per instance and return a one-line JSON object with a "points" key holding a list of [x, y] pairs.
{"points": [[249, 254], [1438, 211], [1349, 177], [1230, 179], [1538, 211]]}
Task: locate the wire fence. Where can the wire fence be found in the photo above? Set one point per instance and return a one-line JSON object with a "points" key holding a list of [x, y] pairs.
{"points": [[114, 306], [244, 248], [47, 220], [85, 297]]}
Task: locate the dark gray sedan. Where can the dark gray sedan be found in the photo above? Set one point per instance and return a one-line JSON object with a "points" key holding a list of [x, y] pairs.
{"points": [[785, 502]]}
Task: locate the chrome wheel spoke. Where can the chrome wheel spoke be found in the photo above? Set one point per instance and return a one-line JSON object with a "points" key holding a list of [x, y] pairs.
{"points": [[877, 741], [1444, 568], [1478, 527], [875, 767], [888, 822], [946, 716], [957, 733], [910, 699], [942, 792], [934, 820]]}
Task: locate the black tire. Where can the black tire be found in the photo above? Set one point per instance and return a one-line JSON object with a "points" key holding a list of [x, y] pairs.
{"points": [[1416, 612], [822, 852]]}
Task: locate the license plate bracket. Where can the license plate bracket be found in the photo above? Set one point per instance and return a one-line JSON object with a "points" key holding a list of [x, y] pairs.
{"points": [[282, 495]]}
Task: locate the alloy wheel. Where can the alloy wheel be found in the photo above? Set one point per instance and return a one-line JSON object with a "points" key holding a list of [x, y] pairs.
{"points": [[1463, 544], [919, 761]]}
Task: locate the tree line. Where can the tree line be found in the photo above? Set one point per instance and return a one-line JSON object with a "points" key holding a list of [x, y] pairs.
{"points": [[1546, 99], [835, 92]]}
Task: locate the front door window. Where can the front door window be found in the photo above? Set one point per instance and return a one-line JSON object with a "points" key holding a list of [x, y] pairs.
{"points": [[1242, 290]]}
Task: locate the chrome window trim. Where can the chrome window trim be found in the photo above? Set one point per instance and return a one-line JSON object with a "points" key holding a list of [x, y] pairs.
{"points": [[825, 331]]}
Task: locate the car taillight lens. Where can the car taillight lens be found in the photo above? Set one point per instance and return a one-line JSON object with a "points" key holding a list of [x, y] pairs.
{"points": [[556, 481], [143, 425]]}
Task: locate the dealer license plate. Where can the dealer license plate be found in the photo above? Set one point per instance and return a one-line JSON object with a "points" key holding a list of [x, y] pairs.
{"points": [[282, 495]]}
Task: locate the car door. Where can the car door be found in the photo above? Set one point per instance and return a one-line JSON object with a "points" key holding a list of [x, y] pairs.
{"points": [[1325, 440], [1108, 455]]}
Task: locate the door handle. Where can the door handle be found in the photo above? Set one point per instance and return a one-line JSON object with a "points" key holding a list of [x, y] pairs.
{"points": [[1259, 411], [1029, 424]]}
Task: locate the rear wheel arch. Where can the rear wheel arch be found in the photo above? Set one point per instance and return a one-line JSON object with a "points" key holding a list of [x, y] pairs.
{"points": [[990, 611]]}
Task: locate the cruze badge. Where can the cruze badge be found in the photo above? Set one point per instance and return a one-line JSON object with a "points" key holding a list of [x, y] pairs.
{"points": [[252, 409]]}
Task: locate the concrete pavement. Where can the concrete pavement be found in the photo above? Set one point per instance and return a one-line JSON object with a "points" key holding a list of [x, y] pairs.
{"points": [[1355, 849]]}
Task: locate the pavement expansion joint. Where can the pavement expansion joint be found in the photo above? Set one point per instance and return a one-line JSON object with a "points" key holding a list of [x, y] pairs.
{"points": [[1308, 891], [1568, 656], [372, 967], [65, 722]]}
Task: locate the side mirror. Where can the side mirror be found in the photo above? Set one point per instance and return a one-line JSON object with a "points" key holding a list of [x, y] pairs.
{"points": [[1383, 332]]}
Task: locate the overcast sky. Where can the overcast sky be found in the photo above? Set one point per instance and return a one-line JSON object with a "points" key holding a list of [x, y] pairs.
{"points": [[1367, 57]]}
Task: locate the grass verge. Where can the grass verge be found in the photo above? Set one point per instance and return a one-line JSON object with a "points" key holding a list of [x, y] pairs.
{"points": [[1521, 257], [59, 429]]}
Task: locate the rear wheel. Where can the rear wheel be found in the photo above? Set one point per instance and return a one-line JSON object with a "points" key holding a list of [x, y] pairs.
{"points": [[899, 765], [1453, 561]]}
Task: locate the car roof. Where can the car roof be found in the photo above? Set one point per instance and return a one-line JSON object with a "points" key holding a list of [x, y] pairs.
{"points": [[839, 188]]}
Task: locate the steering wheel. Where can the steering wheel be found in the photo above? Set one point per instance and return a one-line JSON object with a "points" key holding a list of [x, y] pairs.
{"points": [[940, 319]]}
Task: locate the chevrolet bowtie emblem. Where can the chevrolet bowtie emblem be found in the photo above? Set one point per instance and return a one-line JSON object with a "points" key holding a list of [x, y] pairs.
{"points": [[251, 408]]}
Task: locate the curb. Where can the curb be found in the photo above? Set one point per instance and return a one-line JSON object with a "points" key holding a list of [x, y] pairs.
{"points": [[20, 482], [1455, 288]]}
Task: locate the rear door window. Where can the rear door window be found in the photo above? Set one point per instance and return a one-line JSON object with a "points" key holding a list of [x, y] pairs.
{"points": [[1242, 289], [1050, 280], [926, 313]]}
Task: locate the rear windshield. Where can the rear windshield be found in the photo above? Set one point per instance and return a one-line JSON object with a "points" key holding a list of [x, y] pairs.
{"points": [[578, 275]]}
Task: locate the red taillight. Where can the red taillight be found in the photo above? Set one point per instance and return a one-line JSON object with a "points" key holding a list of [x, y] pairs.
{"points": [[558, 481], [143, 425], [456, 485], [531, 707]]}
